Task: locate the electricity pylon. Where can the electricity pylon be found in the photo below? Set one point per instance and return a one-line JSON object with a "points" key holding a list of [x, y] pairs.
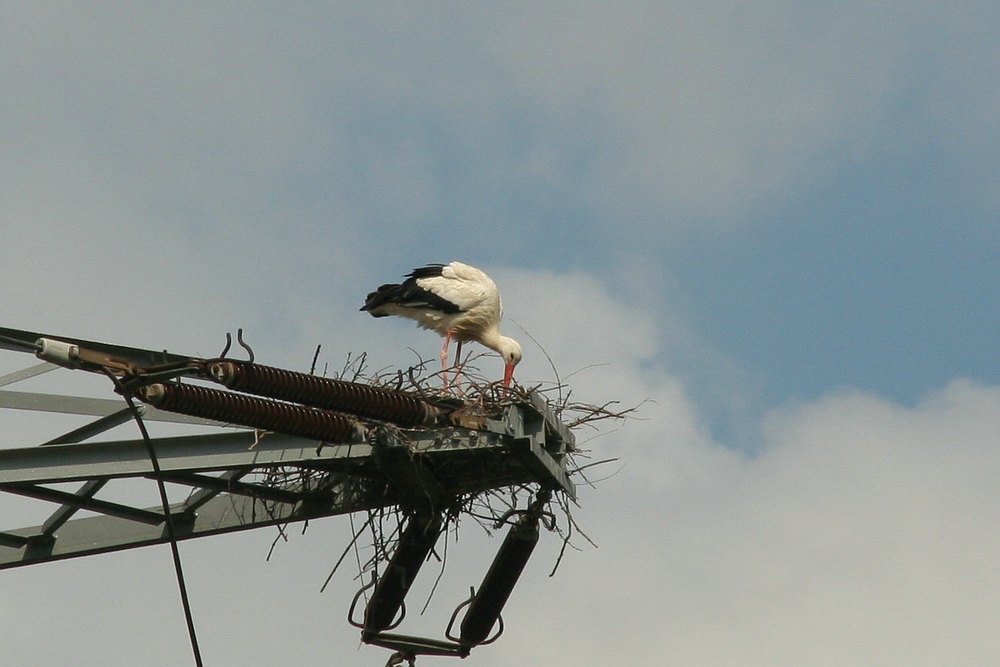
{"points": [[277, 447]]}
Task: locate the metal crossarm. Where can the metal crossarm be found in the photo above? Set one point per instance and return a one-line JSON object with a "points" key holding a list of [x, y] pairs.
{"points": [[19, 340], [243, 478]]}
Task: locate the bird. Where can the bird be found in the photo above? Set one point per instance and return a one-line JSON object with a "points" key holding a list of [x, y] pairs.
{"points": [[456, 300]]}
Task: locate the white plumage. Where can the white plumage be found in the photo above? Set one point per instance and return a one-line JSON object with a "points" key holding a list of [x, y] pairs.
{"points": [[458, 301]]}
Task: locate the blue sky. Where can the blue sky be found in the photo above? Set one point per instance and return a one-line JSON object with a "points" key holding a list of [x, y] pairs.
{"points": [[778, 221], [879, 279]]}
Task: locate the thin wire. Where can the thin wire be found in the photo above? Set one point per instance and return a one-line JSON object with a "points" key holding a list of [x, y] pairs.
{"points": [[444, 564], [552, 365], [340, 560], [20, 343], [168, 520]]}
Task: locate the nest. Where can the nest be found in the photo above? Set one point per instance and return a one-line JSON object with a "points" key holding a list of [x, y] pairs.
{"points": [[470, 391]]}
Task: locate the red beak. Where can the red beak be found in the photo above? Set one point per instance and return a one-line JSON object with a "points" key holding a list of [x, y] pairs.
{"points": [[508, 375]]}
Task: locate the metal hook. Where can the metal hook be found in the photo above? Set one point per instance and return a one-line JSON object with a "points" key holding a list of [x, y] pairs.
{"points": [[449, 631], [239, 339], [243, 344], [363, 624], [229, 343], [454, 616], [354, 603]]}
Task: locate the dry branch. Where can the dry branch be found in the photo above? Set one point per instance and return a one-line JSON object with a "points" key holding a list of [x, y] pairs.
{"points": [[476, 395]]}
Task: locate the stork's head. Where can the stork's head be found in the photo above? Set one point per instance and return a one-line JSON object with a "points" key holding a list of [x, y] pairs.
{"points": [[510, 350]]}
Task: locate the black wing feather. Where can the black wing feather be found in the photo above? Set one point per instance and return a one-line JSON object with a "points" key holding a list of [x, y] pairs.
{"points": [[410, 295]]}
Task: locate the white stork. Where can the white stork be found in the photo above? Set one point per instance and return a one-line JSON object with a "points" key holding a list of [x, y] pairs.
{"points": [[456, 300]]}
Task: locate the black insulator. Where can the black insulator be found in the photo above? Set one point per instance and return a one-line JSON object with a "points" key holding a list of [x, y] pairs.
{"points": [[250, 411], [414, 544], [485, 608], [358, 399]]}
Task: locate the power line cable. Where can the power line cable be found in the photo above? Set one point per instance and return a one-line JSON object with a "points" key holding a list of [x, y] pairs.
{"points": [[168, 519]]}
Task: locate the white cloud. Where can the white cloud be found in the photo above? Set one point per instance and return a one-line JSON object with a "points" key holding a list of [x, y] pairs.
{"points": [[864, 533]]}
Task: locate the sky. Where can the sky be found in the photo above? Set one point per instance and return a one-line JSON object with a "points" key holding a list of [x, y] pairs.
{"points": [[772, 225]]}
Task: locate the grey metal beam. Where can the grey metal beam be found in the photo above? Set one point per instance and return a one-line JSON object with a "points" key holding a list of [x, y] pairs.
{"points": [[541, 441], [537, 459], [557, 428], [30, 372], [95, 427], [223, 514], [73, 405], [85, 502], [204, 495], [226, 484], [129, 458], [12, 541], [66, 512], [95, 407]]}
